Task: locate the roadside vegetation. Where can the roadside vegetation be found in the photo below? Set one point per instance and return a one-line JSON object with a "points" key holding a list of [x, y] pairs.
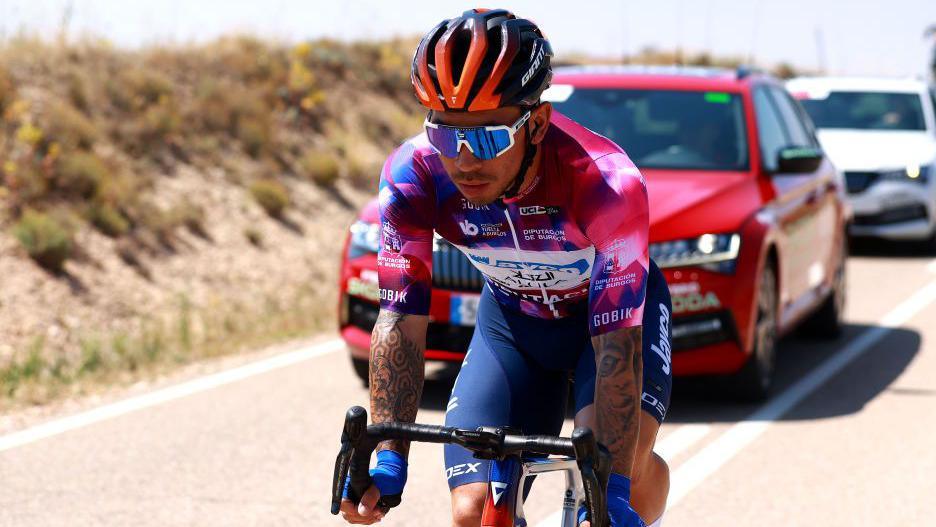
{"points": [[87, 129], [90, 133]]}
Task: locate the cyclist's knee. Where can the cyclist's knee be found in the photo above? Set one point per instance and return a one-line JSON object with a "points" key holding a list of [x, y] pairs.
{"points": [[652, 469], [468, 504]]}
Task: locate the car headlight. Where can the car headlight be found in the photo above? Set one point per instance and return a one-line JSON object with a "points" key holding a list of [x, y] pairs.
{"points": [[918, 173], [715, 252], [365, 239]]}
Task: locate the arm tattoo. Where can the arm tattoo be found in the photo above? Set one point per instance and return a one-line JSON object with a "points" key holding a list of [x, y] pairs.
{"points": [[617, 394], [396, 374]]}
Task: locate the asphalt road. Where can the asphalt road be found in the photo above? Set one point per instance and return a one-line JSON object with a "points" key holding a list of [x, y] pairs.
{"points": [[847, 440]]}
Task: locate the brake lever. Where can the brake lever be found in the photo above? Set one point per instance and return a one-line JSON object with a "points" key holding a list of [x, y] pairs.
{"points": [[354, 430], [594, 463]]}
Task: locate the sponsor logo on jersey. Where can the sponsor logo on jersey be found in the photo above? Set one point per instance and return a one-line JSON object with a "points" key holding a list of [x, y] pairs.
{"points": [[654, 402], [544, 234], [527, 275], [391, 239], [619, 257], [538, 209], [663, 349], [468, 228], [579, 267], [610, 317], [463, 468], [392, 296], [467, 205]]}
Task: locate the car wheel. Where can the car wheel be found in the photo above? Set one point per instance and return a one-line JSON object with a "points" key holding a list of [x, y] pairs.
{"points": [[753, 382], [827, 322], [362, 369]]}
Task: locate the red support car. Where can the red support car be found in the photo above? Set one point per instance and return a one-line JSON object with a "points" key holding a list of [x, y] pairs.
{"points": [[747, 220]]}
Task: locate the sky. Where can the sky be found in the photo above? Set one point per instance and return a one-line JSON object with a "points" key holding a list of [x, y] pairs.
{"points": [[857, 37]]}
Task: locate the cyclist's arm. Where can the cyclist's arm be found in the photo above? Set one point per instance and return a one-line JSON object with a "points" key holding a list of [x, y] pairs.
{"points": [[616, 221], [404, 266], [397, 370]]}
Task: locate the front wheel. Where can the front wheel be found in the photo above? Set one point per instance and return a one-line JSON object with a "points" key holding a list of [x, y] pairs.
{"points": [[754, 380]]}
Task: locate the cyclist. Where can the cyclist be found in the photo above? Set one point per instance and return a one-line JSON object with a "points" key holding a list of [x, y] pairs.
{"points": [[555, 217]]}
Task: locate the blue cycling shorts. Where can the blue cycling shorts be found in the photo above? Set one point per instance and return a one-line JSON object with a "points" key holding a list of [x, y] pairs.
{"points": [[518, 368]]}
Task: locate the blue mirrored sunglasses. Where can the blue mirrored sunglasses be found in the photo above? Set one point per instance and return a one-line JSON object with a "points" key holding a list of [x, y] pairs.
{"points": [[484, 142]]}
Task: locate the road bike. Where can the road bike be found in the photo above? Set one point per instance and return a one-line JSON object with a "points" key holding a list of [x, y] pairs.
{"points": [[586, 464]]}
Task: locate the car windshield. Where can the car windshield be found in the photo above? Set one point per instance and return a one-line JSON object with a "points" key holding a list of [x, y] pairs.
{"points": [[866, 111], [664, 129]]}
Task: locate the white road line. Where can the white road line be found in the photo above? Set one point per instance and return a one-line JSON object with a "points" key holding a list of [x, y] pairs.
{"points": [[695, 470], [680, 440], [65, 424]]}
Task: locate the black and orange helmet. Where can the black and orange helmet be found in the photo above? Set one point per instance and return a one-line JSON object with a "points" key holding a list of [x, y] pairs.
{"points": [[483, 60]]}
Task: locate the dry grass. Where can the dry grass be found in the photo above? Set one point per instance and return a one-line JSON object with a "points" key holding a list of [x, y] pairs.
{"points": [[90, 126], [33, 376]]}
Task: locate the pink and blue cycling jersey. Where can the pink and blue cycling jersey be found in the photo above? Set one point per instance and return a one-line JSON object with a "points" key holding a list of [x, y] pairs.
{"points": [[575, 239]]}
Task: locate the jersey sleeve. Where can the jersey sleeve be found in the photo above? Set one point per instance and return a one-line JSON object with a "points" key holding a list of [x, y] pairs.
{"points": [[407, 211], [613, 214]]}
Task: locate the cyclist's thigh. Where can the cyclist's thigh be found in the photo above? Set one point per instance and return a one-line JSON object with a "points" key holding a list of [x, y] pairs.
{"points": [[500, 386], [656, 353]]}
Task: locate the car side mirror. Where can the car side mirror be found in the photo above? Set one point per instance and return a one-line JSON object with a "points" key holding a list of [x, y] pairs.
{"points": [[798, 159]]}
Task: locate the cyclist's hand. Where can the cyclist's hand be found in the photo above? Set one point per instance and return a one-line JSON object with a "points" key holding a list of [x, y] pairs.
{"points": [[389, 478], [619, 509], [364, 513]]}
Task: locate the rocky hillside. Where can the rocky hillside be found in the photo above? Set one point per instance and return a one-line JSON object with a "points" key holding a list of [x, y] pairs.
{"points": [[180, 201]]}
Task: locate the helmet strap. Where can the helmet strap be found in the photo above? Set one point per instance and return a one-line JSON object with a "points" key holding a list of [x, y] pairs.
{"points": [[514, 188]]}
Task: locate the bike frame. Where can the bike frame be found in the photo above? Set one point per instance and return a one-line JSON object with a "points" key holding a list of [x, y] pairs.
{"points": [[509, 511]]}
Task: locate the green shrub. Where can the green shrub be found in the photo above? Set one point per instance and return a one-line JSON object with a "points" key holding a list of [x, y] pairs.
{"points": [[108, 220], [254, 236], [77, 87], [45, 239], [66, 125], [362, 173], [192, 216], [255, 135], [158, 122], [320, 167], [271, 195], [81, 174]]}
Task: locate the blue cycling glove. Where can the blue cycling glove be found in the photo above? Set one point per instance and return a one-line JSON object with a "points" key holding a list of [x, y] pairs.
{"points": [[619, 509], [389, 474]]}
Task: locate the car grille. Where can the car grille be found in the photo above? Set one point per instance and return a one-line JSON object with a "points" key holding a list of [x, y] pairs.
{"points": [[913, 212], [857, 182], [451, 269], [694, 331]]}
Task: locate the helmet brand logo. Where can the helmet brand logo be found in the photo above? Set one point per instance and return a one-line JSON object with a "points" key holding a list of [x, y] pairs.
{"points": [[537, 62]]}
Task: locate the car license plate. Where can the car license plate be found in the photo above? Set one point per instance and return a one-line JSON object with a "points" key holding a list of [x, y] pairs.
{"points": [[463, 309]]}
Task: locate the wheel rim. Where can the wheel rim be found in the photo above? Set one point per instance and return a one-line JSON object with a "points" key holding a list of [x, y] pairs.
{"points": [[766, 329]]}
